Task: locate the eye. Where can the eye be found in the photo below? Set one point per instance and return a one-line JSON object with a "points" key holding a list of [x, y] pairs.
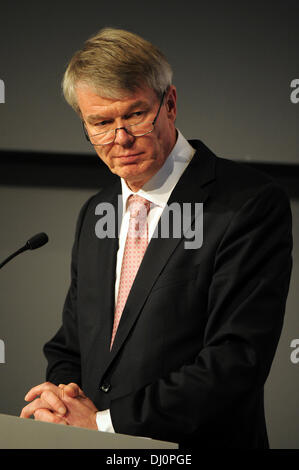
{"points": [[135, 114], [102, 123]]}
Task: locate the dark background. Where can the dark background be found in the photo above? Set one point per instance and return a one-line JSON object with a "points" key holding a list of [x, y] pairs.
{"points": [[233, 64]]}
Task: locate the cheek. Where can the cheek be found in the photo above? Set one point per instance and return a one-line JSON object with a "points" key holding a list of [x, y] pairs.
{"points": [[152, 147], [103, 154]]}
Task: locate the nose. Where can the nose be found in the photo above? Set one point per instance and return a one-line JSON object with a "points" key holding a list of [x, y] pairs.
{"points": [[123, 138]]}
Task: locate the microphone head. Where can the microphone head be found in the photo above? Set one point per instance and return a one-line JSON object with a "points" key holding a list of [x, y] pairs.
{"points": [[37, 241]]}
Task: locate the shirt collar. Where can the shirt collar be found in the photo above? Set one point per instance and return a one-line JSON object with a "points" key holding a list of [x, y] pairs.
{"points": [[158, 189]]}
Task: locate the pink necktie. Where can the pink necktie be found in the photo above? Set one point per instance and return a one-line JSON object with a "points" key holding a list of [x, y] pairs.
{"points": [[136, 244]]}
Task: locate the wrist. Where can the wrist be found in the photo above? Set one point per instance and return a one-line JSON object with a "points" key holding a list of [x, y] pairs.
{"points": [[94, 421]]}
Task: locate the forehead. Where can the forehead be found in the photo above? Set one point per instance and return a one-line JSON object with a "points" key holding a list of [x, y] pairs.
{"points": [[91, 102]]}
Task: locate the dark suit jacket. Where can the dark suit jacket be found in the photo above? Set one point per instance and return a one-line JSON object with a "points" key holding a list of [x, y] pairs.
{"points": [[200, 327]]}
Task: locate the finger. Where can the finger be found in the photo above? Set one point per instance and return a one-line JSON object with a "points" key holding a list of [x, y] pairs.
{"points": [[43, 414], [78, 403], [73, 390], [62, 387], [38, 389], [31, 408], [54, 402]]}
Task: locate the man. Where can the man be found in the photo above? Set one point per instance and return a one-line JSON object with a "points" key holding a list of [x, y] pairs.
{"points": [[159, 338]]}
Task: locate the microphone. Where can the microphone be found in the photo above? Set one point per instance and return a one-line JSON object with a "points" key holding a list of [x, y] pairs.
{"points": [[34, 242]]}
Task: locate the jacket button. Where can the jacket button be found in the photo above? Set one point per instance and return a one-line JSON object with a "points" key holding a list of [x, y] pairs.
{"points": [[105, 387]]}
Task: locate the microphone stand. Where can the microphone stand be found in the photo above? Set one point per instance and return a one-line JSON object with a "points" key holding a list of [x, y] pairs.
{"points": [[24, 248], [34, 242]]}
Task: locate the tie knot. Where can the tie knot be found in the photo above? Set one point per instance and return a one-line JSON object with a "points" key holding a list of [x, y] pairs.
{"points": [[138, 206]]}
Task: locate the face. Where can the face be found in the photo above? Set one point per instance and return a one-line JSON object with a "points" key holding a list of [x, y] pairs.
{"points": [[136, 159]]}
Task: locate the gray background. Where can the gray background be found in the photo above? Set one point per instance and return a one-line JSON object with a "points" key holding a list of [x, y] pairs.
{"points": [[233, 63]]}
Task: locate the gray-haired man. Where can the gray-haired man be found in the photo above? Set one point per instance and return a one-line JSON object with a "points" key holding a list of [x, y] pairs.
{"points": [[179, 345]]}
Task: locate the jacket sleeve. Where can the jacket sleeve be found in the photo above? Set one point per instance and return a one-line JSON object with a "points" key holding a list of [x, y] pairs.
{"points": [[246, 307], [63, 351]]}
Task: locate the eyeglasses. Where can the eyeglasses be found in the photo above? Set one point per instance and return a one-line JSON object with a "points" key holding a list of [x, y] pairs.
{"points": [[137, 127]]}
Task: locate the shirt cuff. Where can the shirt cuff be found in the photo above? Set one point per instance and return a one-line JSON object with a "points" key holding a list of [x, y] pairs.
{"points": [[104, 422]]}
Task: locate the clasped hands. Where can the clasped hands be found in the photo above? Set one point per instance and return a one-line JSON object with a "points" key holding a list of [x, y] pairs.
{"points": [[62, 404]]}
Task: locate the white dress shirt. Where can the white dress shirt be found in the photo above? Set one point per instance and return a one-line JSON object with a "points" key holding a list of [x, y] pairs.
{"points": [[157, 190]]}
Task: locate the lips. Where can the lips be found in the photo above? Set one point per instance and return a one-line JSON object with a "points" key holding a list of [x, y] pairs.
{"points": [[129, 155]]}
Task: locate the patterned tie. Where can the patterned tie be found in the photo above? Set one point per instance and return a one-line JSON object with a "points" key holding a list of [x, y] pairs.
{"points": [[136, 244]]}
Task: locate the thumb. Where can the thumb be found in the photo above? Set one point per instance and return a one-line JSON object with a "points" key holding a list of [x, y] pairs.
{"points": [[72, 390]]}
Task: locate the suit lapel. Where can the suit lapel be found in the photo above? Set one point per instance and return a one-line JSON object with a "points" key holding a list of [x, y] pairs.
{"points": [[192, 187], [105, 265]]}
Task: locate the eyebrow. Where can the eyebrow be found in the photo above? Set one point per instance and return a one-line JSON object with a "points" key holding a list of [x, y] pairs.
{"points": [[96, 117]]}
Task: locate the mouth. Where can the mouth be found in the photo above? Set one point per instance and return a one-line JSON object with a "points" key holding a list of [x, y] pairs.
{"points": [[128, 158]]}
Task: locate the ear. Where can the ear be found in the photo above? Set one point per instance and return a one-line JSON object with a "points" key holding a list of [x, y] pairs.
{"points": [[170, 105], [171, 102]]}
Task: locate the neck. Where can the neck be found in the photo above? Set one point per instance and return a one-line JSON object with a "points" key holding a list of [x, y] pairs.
{"points": [[136, 185]]}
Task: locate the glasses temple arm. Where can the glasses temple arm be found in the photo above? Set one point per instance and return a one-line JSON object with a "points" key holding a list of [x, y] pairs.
{"points": [[160, 106]]}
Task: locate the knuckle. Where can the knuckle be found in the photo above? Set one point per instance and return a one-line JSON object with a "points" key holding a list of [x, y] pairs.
{"points": [[57, 420], [53, 401], [38, 414], [35, 404], [49, 397], [47, 386], [73, 387], [72, 390], [44, 395]]}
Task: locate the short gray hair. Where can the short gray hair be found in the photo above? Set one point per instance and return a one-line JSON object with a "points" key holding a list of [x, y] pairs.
{"points": [[116, 63]]}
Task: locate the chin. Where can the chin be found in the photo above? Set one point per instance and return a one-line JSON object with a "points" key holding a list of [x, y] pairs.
{"points": [[131, 171]]}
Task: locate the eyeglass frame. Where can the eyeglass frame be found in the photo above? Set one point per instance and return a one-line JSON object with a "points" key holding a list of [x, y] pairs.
{"points": [[123, 127]]}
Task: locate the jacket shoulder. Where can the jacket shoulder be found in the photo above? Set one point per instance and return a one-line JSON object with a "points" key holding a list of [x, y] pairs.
{"points": [[236, 182]]}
